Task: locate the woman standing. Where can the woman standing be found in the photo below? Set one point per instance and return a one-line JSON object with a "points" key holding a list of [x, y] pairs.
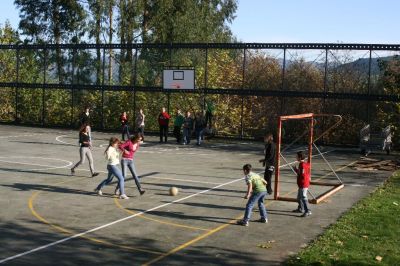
{"points": [[85, 149], [128, 151], [140, 123], [124, 125], [112, 157]]}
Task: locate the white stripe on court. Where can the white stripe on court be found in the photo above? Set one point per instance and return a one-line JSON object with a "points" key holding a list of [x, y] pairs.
{"points": [[49, 167], [18, 136], [58, 138], [112, 223]]}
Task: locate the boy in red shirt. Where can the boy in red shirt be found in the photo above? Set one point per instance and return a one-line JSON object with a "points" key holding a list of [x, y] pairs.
{"points": [[303, 182]]}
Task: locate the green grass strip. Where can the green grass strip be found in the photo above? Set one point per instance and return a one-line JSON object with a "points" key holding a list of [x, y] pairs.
{"points": [[369, 234]]}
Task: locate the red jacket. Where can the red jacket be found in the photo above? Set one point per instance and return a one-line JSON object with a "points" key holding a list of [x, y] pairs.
{"points": [[124, 120], [303, 175], [163, 119]]}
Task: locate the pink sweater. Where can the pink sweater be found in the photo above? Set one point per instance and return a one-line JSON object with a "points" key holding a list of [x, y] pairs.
{"points": [[130, 148]]}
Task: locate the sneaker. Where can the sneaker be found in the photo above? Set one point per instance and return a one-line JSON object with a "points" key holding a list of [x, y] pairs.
{"points": [[116, 192], [306, 214], [269, 191], [95, 174], [263, 220], [243, 222], [99, 192], [297, 211], [72, 171], [123, 196], [142, 192]]}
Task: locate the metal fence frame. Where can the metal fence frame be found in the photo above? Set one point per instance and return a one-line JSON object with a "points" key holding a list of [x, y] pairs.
{"points": [[243, 92]]}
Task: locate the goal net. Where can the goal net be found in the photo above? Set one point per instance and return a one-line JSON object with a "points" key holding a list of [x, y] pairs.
{"points": [[298, 133]]}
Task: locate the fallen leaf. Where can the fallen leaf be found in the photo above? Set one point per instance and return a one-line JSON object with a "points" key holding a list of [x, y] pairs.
{"points": [[366, 237], [339, 242], [395, 203], [378, 258]]}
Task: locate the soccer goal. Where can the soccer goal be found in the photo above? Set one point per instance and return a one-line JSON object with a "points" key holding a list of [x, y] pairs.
{"points": [[298, 133]]}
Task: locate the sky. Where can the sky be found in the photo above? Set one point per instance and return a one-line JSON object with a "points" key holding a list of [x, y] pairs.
{"points": [[323, 21]]}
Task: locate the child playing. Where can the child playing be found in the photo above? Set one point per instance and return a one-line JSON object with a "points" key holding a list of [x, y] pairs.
{"points": [[256, 192], [303, 182], [128, 151], [112, 157]]}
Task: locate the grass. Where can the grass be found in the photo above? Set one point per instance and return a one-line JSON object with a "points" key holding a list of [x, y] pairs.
{"points": [[369, 231]]}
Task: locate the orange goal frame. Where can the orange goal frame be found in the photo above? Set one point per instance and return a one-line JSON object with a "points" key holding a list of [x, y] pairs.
{"points": [[312, 118]]}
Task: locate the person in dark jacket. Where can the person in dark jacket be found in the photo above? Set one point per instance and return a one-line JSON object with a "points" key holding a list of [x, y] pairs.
{"points": [[269, 160]]}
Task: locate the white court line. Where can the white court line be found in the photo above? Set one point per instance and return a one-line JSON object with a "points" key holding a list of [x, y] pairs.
{"points": [[59, 140], [17, 136], [112, 223], [162, 178], [27, 157]]}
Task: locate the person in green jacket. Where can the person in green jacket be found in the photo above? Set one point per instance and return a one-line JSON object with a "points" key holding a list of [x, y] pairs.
{"points": [[178, 122], [209, 113]]}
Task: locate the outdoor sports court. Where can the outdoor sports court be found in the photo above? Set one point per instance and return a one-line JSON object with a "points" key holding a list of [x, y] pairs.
{"points": [[49, 217]]}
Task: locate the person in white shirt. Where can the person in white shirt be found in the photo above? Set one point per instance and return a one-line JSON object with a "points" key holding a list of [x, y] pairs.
{"points": [[112, 157]]}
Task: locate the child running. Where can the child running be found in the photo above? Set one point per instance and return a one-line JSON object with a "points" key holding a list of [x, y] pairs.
{"points": [[256, 192], [112, 157], [303, 182], [85, 150], [128, 151]]}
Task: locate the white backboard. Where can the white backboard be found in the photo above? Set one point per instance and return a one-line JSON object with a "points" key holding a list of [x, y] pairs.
{"points": [[178, 79]]}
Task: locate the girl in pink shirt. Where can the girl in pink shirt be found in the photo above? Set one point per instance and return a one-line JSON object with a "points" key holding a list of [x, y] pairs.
{"points": [[128, 151]]}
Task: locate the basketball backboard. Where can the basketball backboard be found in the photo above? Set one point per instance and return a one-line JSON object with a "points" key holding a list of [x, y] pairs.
{"points": [[178, 79]]}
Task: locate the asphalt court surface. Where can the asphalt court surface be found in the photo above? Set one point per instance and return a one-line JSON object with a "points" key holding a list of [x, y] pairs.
{"points": [[49, 217]]}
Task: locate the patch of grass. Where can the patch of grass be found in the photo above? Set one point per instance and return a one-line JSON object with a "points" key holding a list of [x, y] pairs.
{"points": [[370, 229]]}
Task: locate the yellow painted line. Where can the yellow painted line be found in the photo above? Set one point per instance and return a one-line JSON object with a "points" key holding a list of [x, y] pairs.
{"points": [[156, 220], [219, 228], [68, 232]]}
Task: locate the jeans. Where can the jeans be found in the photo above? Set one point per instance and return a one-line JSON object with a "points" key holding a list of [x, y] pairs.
{"points": [[129, 163], [302, 199], [85, 151], [113, 170], [199, 135], [163, 132], [125, 131], [186, 135], [259, 198]]}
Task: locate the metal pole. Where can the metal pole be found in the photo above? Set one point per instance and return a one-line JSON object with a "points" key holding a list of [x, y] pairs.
{"points": [[102, 89], [44, 83], [134, 86], [283, 78], [168, 92], [325, 92], [242, 111], [16, 88], [369, 85], [205, 78], [72, 90]]}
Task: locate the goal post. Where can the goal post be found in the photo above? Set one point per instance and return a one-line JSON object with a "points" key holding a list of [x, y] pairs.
{"points": [[311, 120]]}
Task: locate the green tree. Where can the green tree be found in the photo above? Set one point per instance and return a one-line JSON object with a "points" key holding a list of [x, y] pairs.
{"points": [[52, 21]]}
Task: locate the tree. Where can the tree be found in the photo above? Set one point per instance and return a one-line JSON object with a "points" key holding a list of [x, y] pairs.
{"points": [[52, 21]]}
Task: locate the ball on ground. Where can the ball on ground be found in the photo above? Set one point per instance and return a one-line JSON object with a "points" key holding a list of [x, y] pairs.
{"points": [[173, 191]]}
